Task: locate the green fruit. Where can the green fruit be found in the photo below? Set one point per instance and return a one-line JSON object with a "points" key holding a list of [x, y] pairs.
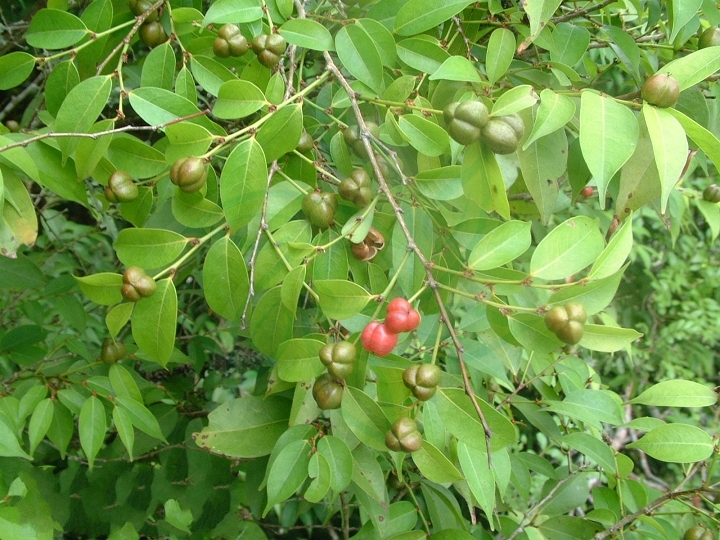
{"points": [[404, 436], [112, 351], [138, 7], [153, 34], [137, 284], [339, 358], [661, 90], [354, 140], [276, 44], [327, 392], [122, 187], [567, 322], [502, 134], [697, 533], [230, 42], [357, 188], [145, 286], [189, 174], [351, 134], [129, 293], [110, 195], [269, 48], [422, 380], [709, 38], [712, 193], [12, 125], [306, 143], [465, 120], [320, 208]]}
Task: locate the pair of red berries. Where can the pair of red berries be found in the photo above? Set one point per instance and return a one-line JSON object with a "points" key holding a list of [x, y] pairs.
{"points": [[381, 338]]}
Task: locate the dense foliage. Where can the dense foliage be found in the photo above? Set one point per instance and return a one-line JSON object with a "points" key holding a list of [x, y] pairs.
{"points": [[369, 269]]}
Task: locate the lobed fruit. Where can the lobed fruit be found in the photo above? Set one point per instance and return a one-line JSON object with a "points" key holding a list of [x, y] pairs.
{"points": [[404, 436], [661, 90], [112, 351], [327, 392], [567, 322], [306, 143], [709, 38], [354, 140], [269, 49], [502, 134], [121, 188], [189, 174], [465, 120], [138, 7], [320, 208], [357, 188], [377, 339], [712, 193], [401, 317], [152, 34], [137, 284], [339, 358], [697, 533], [422, 380], [230, 42]]}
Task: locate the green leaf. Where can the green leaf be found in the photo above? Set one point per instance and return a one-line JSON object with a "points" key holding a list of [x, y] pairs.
{"points": [[140, 416], [594, 295], [590, 406], [40, 422], [457, 68], [243, 183], [539, 13], [441, 184], [298, 360], [554, 112], [425, 136], [9, 445], [483, 181], [501, 245], [225, 279], [271, 323], [159, 67], [80, 110], [365, 418], [677, 393], [210, 73], [20, 274], [281, 133], [103, 288], [615, 253], [291, 287], [570, 43], [434, 466], [125, 429], [706, 140], [307, 33], [530, 331], [676, 443], [245, 428], [154, 320], [91, 426], [607, 338], [693, 68], [123, 383], [515, 100], [54, 29], [568, 528], [194, 210], [61, 428], [608, 137], [339, 298], [238, 99], [90, 152], [186, 139], [567, 249], [158, 106], [177, 517], [670, 148], [118, 317], [136, 158], [461, 419], [321, 473], [416, 16], [594, 448], [288, 472], [422, 53], [358, 54], [479, 477], [232, 11], [340, 459], [15, 67], [149, 248], [500, 52], [627, 51]]}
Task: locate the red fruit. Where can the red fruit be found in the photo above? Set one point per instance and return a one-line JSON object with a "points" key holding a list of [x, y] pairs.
{"points": [[587, 191], [378, 340], [401, 317]]}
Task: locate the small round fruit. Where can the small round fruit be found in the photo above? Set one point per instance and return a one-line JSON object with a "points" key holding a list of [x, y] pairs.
{"points": [[123, 187], [145, 286], [661, 90], [138, 7], [189, 174], [556, 318], [137, 284], [422, 380], [327, 392], [404, 436], [697, 533], [276, 44], [572, 333], [712, 193], [357, 188], [576, 312], [401, 317], [465, 120], [132, 274], [112, 351], [13, 126], [306, 143], [351, 134], [153, 34], [339, 358], [377, 339], [320, 208], [354, 140], [503, 133], [587, 191], [709, 38], [110, 195], [129, 293]]}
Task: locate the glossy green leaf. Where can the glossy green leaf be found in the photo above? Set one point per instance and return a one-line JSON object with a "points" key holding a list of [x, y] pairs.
{"points": [[457, 68], [288, 472], [483, 181], [479, 477], [80, 109], [125, 429], [515, 100], [594, 295], [291, 287], [627, 51], [321, 473], [307, 33], [340, 459], [158, 106], [232, 11], [238, 99], [271, 323], [245, 428], [530, 331], [340, 299], [298, 360], [693, 68], [149, 248], [243, 183], [178, 517], [608, 136], [567, 249], [281, 133], [434, 465], [40, 422], [15, 67], [118, 317], [103, 288], [159, 67], [677, 393], [186, 139], [365, 418], [501, 245], [194, 210], [90, 152], [593, 407], [210, 73], [154, 320], [136, 158], [416, 16], [615, 253], [422, 53], [91, 426], [676, 443], [554, 112], [500, 52], [357, 52], [607, 338], [705, 139], [570, 43], [539, 13], [594, 448], [425, 136], [140, 416], [123, 383], [441, 184], [9, 445], [225, 279], [61, 428], [54, 29]]}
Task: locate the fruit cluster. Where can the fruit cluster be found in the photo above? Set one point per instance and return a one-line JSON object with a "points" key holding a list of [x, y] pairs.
{"points": [[367, 249], [268, 48], [121, 188], [661, 90], [357, 188], [422, 380], [698, 533], [354, 140], [381, 338], [712, 193], [230, 42], [320, 207], [567, 322], [468, 121], [339, 358], [137, 284], [404, 436], [151, 32], [189, 174]]}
